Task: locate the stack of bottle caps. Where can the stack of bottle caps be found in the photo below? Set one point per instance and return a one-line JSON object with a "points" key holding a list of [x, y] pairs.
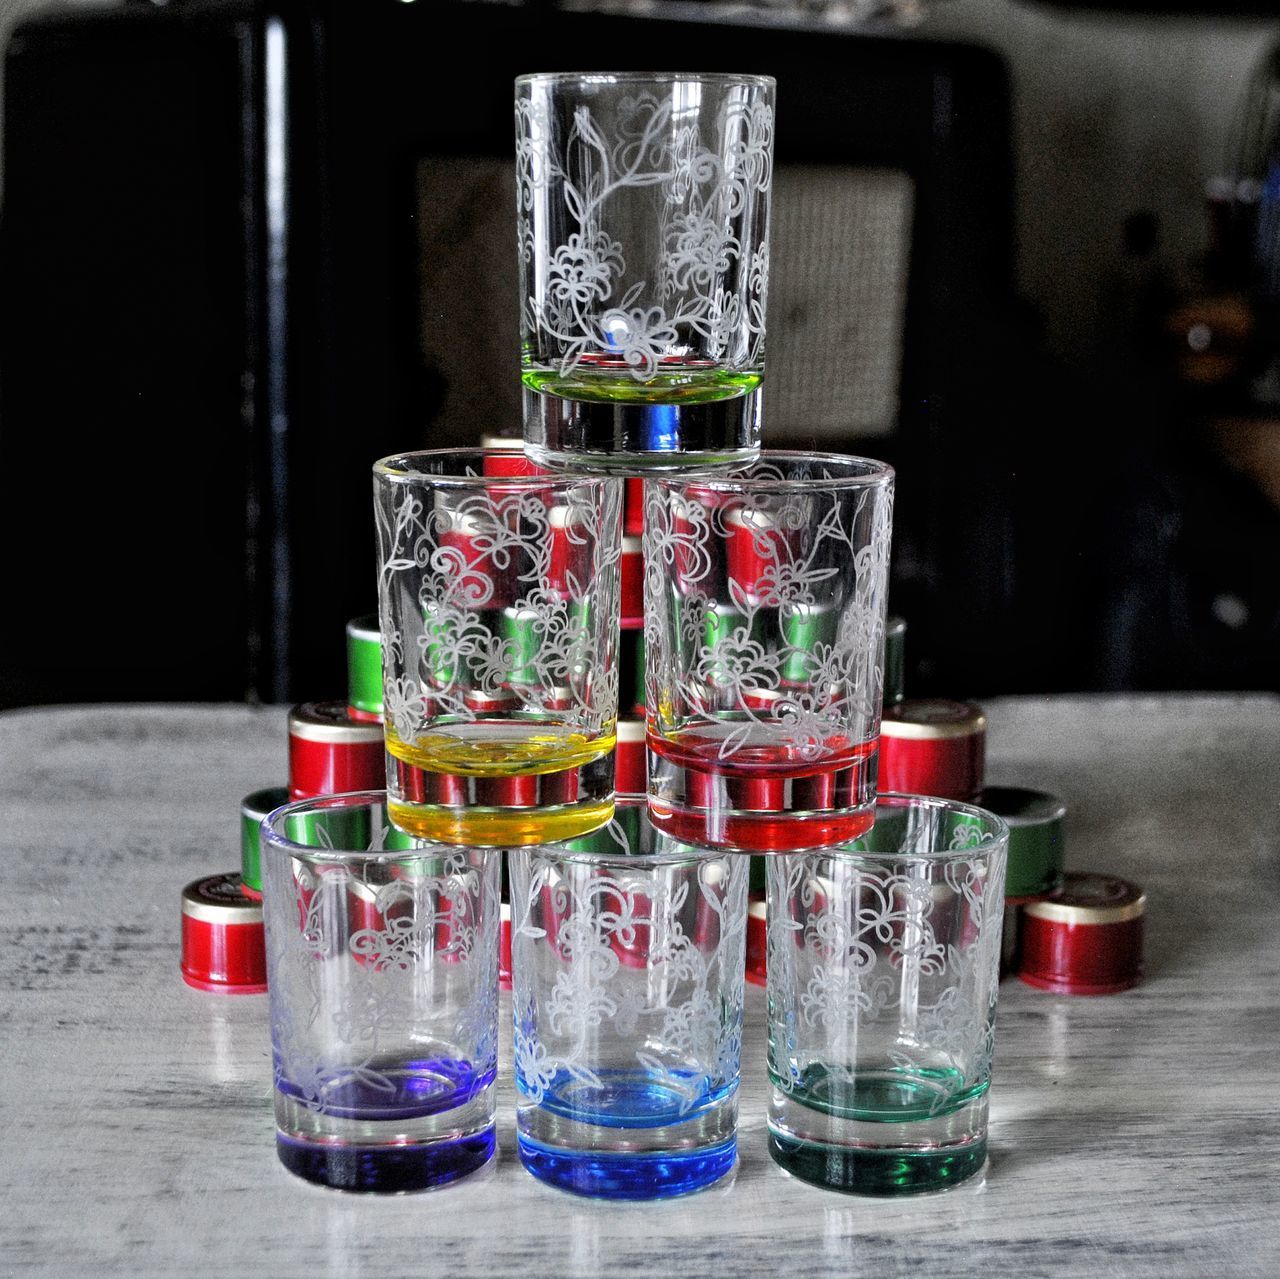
{"points": [[1065, 931]]}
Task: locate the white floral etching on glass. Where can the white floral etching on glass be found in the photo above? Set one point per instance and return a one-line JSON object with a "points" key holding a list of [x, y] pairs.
{"points": [[356, 970], [498, 597], [896, 967], [765, 612], [704, 293], [632, 969]]}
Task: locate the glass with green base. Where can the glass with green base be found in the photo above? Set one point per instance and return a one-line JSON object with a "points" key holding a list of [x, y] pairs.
{"points": [[884, 958], [643, 233]]}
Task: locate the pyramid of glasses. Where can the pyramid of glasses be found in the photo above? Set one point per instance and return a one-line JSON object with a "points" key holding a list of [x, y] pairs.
{"points": [[516, 600]]}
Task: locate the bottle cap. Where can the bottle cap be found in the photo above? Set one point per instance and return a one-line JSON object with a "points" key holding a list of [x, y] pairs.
{"points": [[504, 946], [253, 808], [1035, 820], [933, 747], [1085, 939], [630, 775], [757, 941], [364, 668], [329, 752], [223, 946], [507, 456], [631, 569], [633, 505]]}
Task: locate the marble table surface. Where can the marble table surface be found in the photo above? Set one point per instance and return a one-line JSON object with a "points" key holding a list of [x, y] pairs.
{"points": [[1131, 1134]]}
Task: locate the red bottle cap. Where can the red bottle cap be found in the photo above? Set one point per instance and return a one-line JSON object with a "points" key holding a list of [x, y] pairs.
{"points": [[330, 753], [631, 569], [1086, 939], [630, 776], [504, 946], [933, 747], [633, 506], [223, 945], [757, 942], [507, 456]]}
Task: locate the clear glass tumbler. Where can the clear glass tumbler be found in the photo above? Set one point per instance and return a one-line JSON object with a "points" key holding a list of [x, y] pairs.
{"points": [[884, 960], [382, 964], [643, 230], [628, 968], [498, 597], [764, 649]]}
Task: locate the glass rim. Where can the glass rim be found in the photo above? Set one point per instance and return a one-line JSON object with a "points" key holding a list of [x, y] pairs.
{"points": [[868, 474], [399, 468], [344, 800], [646, 77], [899, 800]]}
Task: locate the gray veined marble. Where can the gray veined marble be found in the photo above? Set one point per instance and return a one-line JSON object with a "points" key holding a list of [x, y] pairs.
{"points": [[1134, 1134]]}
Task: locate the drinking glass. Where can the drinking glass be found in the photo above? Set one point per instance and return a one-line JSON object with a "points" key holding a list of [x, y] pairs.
{"points": [[382, 969], [628, 966], [764, 649], [883, 962], [498, 598], [643, 231]]}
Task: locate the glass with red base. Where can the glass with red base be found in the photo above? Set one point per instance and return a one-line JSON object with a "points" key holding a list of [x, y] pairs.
{"points": [[764, 650]]}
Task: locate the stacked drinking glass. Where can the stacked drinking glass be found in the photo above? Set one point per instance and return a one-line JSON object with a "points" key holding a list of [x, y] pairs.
{"points": [[643, 208]]}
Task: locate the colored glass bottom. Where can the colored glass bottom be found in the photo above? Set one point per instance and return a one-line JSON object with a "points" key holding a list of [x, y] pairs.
{"points": [[386, 1169], [491, 827], [652, 1175], [760, 799], [876, 1172]]}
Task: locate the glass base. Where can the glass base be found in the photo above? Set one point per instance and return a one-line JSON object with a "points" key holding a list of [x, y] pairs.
{"points": [[656, 1175], [760, 811], [386, 1169], [631, 1134], [738, 830], [892, 1145], [630, 439], [500, 812], [885, 1171]]}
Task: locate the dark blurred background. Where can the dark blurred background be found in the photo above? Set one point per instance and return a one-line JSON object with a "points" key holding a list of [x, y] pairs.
{"points": [[1027, 252]]}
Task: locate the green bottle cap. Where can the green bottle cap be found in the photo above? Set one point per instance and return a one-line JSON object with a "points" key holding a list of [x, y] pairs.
{"points": [[519, 627], [803, 626], [253, 808], [364, 665], [895, 659], [1036, 842]]}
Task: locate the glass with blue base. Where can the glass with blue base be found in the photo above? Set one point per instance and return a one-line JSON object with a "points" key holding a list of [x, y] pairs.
{"points": [[628, 969], [382, 968], [883, 971]]}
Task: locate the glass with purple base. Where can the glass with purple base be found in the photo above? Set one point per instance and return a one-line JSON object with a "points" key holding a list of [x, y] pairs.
{"points": [[382, 958]]}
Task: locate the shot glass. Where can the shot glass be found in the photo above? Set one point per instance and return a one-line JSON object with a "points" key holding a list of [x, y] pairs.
{"points": [[643, 230], [764, 650], [382, 968], [884, 960], [498, 603], [629, 966]]}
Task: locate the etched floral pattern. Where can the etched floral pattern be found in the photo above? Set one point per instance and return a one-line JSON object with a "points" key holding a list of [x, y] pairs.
{"points": [[627, 969], [696, 286], [885, 965], [503, 595], [765, 612]]}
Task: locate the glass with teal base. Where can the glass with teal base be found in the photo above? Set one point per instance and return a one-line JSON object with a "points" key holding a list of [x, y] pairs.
{"points": [[884, 958]]}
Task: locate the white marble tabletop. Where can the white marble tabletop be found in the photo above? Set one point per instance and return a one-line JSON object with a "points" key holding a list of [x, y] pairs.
{"points": [[1132, 1134]]}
